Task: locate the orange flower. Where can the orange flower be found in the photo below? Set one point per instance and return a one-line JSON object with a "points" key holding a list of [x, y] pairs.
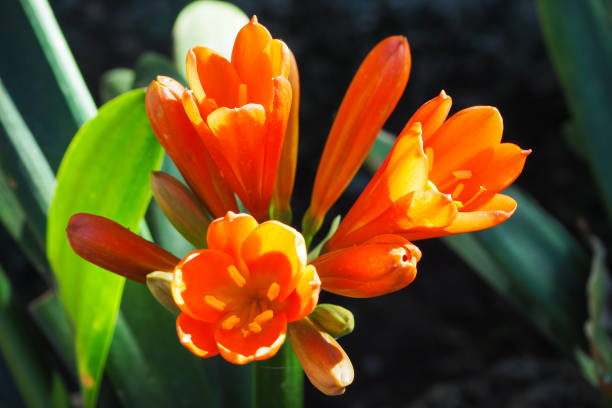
{"points": [[238, 295], [240, 110], [370, 99], [452, 189]]}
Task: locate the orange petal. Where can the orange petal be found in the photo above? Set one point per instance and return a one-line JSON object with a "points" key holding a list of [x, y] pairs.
{"points": [[252, 63], [182, 143], [381, 265], [211, 75], [240, 136], [305, 297], [325, 363], [110, 246], [497, 210], [228, 233], [203, 286], [403, 171], [370, 99], [416, 211], [275, 252], [431, 115], [196, 335], [240, 348], [466, 141], [285, 177]]}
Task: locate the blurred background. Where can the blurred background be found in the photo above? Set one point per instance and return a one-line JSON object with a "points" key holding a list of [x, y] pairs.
{"points": [[447, 340]]}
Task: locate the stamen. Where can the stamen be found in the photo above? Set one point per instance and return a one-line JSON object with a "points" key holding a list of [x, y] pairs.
{"points": [[430, 158], [214, 302], [458, 190], [273, 291], [264, 316], [230, 322], [242, 95], [238, 279], [481, 190], [245, 332], [462, 174], [254, 327]]}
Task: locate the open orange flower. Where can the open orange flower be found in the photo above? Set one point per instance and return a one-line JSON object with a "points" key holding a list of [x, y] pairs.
{"points": [[414, 197], [238, 295], [240, 111]]}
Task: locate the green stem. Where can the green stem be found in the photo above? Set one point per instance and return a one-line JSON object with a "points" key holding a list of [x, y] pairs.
{"points": [[279, 381]]}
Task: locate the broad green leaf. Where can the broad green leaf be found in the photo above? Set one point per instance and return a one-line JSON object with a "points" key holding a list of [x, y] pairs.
{"points": [[535, 263], [578, 35], [38, 382], [209, 23], [105, 171], [281, 377], [116, 81]]}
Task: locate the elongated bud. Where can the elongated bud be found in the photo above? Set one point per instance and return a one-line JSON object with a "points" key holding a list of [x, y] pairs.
{"points": [[334, 319], [381, 265], [370, 99], [181, 208], [285, 178], [325, 363], [159, 284], [110, 246]]}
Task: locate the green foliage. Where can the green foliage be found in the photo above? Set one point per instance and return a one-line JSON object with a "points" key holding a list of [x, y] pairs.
{"points": [[578, 35], [105, 172]]}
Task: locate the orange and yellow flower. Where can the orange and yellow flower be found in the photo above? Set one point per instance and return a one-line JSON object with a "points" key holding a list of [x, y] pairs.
{"points": [[238, 295]]}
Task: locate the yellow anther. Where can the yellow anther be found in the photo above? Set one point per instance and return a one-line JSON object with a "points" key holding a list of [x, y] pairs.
{"points": [[230, 322], [242, 95], [430, 158], [264, 316], [462, 174], [236, 276], [273, 291], [254, 327], [214, 302], [458, 190]]}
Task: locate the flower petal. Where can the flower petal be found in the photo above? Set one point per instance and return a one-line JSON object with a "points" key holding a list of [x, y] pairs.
{"points": [[239, 347], [210, 75], [227, 234], [466, 141], [203, 287], [325, 363], [381, 265], [177, 135], [240, 137], [370, 99], [275, 252], [497, 210], [304, 298], [196, 335], [431, 115], [110, 246]]}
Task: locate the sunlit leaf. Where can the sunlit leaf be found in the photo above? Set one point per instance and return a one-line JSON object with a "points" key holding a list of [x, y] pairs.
{"points": [[106, 172]]}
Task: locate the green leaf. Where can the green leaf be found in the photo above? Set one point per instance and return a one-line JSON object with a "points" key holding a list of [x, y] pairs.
{"points": [[578, 35], [106, 172], [381, 147], [314, 253], [279, 381], [535, 263], [38, 382], [116, 81], [209, 23]]}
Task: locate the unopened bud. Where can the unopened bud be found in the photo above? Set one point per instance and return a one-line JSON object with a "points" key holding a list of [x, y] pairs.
{"points": [[159, 286], [334, 319]]}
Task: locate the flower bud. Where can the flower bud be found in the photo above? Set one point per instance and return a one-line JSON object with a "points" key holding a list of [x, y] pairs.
{"points": [[181, 208], [334, 319], [159, 285], [325, 363]]}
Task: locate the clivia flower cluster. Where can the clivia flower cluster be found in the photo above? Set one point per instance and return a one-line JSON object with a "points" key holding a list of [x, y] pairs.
{"points": [[234, 134]]}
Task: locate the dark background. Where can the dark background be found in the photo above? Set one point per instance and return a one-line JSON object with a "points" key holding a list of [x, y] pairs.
{"points": [[447, 340]]}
